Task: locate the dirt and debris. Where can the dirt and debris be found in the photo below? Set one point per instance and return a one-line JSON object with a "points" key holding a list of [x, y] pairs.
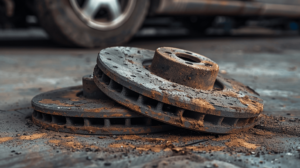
{"points": [[253, 141]]}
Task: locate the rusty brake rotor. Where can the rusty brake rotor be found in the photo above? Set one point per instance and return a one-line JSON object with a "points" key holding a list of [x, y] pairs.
{"points": [[86, 110], [180, 87]]}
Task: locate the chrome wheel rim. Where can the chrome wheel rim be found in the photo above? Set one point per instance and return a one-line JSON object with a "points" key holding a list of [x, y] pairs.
{"points": [[103, 14]]}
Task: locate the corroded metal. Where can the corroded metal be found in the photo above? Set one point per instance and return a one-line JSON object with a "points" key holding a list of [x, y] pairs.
{"points": [[86, 110], [122, 74], [90, 90], [185, 68]]}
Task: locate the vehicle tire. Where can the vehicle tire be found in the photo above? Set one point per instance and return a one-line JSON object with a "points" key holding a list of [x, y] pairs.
{"points": [[67, 27]]}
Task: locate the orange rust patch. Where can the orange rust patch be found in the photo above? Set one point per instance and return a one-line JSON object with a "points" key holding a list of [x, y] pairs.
{"points": [[229, 93], [33, 136], [116, 115], [72, 95], [4, 139], [165, 99], [95, 109], [253, 106], [153, 94], [121, 145], [135, 137], [56, 113], [200, 123], [168, 146], [70, 144], [102, 137], [202, 103], [130, 61], [57, 102], [135, 107], [197, 124], [153, 148]]}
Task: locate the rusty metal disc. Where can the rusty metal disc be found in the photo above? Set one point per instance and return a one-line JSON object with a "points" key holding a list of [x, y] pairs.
{"points": [[122, 73], [86, 110]]}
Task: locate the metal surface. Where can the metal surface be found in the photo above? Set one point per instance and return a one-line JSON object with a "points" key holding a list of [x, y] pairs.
{"points": [[195, 70], [229, 107], [67, 110], [227, 7], [90, 90], [113, 13]]}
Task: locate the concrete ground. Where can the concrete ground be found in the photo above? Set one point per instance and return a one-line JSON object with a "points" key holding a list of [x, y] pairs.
{"points": [[268, 63]]}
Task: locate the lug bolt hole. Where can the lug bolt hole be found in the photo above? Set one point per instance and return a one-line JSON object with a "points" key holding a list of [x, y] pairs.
{"points": [[208, 65], [187, 57], [189, 63]]}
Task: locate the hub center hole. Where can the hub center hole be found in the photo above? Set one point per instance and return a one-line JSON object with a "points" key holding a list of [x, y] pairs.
{"points": [[188, 57]]}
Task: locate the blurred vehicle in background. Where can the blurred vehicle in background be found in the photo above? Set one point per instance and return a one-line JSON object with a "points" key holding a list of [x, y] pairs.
{"points": [[100, 23]]}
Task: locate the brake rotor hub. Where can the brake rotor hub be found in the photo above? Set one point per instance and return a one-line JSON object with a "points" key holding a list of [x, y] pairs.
{"points": [[87, 110], [185, 68], [180, 88]]}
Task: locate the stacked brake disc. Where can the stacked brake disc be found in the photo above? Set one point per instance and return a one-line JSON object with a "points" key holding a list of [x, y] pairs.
{"points": [[138, 91]]}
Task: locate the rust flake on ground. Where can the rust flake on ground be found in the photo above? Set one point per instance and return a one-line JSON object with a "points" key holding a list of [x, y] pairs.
{"points": [[69, 144], [153, 148], [135, 137], [241, 143], [168, 146], [4, 139], [33, 136]]}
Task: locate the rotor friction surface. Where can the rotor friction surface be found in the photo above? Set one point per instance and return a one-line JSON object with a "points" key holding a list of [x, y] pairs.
{"points": [[67, 110], [122, 75]]}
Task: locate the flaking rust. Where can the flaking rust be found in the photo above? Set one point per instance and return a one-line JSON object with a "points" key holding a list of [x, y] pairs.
{"points": [[87, 110], [178, 87]]}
